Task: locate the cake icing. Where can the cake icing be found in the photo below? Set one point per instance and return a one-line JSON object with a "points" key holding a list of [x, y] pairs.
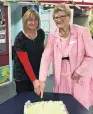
{"points": [[45, 107]]}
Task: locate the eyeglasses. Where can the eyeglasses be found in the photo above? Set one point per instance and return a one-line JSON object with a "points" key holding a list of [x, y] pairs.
{"points": [[61, 17]]}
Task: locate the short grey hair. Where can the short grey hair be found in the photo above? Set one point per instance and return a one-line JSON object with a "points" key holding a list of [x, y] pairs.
{"points": [[62, 7]]}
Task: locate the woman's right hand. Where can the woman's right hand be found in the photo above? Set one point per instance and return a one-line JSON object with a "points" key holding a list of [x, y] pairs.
{"points": [[42, 87], [36, 85]]}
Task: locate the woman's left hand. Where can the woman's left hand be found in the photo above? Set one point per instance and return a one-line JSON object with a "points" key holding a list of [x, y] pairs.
{"points": [[76, 77]]}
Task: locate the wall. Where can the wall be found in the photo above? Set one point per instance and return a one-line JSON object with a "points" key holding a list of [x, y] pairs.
{"points": [[16, 20], [81, 20]]}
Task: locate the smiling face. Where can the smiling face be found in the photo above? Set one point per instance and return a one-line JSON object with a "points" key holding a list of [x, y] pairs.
{"points": [[32, 23], [62, 15], [31, 20], [61, 19]]}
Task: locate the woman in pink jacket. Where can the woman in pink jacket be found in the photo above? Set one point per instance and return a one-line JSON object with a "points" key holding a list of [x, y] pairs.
{"points": [[70, 48]]}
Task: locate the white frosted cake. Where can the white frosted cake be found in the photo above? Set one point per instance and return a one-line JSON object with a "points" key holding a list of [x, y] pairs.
{"points": [[45, 107]]}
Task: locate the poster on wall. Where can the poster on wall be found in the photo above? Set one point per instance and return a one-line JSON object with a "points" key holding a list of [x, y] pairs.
{"points": [[2, 37], [4, 53], [4, 74], [2, 25]]}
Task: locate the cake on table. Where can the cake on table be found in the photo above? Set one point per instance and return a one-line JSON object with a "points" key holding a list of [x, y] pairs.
{"points": [[45, 107]]}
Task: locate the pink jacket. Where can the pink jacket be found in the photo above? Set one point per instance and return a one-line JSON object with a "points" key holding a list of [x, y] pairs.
{"points": [[80, 53]]}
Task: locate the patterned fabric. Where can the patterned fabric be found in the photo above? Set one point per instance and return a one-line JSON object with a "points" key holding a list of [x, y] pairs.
{"points": [[34, 50]]}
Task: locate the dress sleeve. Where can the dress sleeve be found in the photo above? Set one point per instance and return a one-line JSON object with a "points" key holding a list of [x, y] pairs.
{"points": [[23, 56], [19, 44]]}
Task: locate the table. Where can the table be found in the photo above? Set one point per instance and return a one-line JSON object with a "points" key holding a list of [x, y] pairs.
{"points": [[15, 105]]}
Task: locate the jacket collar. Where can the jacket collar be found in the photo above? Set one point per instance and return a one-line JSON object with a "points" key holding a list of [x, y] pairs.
{"points": [[72, 31]]}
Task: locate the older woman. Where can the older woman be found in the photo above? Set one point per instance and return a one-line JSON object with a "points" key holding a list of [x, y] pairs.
{"points": [[70, 48], [28, 48]]}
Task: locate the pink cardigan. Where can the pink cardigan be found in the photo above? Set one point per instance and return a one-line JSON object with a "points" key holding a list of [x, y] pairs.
{"points": [[80, 54]]}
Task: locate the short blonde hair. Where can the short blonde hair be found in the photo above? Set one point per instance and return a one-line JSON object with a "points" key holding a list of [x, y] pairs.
{"points": [[62, 7], [29, 14]]}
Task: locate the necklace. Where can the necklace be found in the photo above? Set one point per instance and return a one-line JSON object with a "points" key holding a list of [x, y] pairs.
{"points": [[31, 36], [64, 33]]}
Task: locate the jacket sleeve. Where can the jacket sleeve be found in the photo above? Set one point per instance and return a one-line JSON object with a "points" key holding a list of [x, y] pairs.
{"points": [[86, 67], [46, 58]]}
